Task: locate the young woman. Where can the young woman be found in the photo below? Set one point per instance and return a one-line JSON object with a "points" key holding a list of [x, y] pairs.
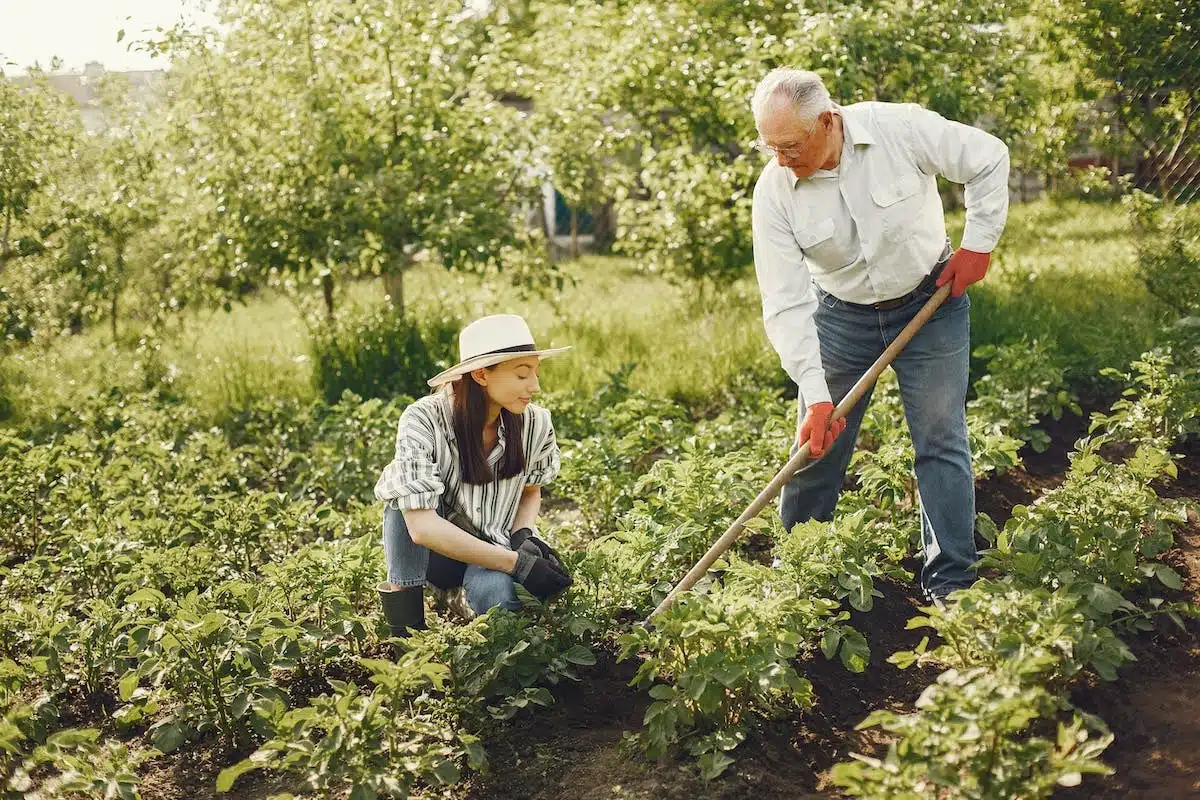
{"points": [[462, 495]]}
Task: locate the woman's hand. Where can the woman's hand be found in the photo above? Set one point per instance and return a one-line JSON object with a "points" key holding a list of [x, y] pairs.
{"points": [[541, 576], [525, 539]]}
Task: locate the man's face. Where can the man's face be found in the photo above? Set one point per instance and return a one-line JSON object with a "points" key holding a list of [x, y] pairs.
{"points": [[802, 147]]}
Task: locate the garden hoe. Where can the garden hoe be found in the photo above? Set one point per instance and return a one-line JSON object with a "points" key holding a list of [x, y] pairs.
{"points": [[798, 460]]}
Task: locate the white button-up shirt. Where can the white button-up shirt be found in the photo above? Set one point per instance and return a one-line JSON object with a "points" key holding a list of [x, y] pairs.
{"points": [[872, 228]]}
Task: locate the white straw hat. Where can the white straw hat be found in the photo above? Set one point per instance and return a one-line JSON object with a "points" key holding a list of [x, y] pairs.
{"points": [[490, 340]]}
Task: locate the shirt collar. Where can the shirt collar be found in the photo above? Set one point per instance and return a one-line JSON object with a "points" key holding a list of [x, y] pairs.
{"points": [[855, 127], [855, 133], [497, 453]]}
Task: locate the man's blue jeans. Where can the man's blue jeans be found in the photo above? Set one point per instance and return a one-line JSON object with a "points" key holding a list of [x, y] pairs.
{"points": [[932, 371], [408, 563]]}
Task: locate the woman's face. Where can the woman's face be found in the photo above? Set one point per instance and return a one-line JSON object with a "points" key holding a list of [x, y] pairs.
{"points": [[511, 384]]}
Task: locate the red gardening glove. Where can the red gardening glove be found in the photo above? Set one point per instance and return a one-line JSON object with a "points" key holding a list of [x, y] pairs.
{"points": [[964, 268], [817, 430]]}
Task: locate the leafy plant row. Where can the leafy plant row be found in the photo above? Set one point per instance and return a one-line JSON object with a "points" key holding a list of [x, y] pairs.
{"points": [[1068, 576]]}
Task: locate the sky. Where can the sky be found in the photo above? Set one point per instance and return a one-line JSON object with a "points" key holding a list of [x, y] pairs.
{"points": [[80, 31]]}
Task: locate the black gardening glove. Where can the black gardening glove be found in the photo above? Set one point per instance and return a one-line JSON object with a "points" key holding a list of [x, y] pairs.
{"points": [[524, 539], [541, 576]]}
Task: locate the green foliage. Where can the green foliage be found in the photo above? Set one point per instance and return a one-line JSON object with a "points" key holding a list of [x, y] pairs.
{"points": [[1104, 525], [376, 134], [421, 723], [1168, 252], [1024, 384], [374, 745], [23, 725], [843, 559], [713, 662], [971, 738], [86, 767], [1159, 405], [600, 472], [1139, 49], [380, 353], [37, 131], [213, 655], [1043, 636]]}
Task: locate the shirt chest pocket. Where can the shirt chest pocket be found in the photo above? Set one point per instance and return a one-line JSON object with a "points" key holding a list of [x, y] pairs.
{"points": [[898, 201], [813, 235]]}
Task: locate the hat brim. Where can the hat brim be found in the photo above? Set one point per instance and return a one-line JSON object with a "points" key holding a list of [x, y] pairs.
{"points": [[490, 360]]}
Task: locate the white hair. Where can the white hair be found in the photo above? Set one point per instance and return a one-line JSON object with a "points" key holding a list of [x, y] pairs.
{"points": [[803, 91]]}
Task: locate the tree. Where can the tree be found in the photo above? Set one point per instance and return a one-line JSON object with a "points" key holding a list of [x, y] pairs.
{"points": [[36, 130], [1146, 52], [671, 83], [109, 197], [327, 138]]}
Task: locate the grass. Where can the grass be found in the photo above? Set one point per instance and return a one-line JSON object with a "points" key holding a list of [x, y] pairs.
{"points": [[1064, 273]]}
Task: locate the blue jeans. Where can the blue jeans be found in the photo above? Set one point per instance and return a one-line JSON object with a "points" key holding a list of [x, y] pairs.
{"points": [[932, 371], [408, 563]]}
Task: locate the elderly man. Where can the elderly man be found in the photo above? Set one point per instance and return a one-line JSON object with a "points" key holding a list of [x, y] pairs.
{"points": [[849, 243]]}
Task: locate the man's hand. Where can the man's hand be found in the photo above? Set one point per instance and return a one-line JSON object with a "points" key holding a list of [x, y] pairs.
{"points": [[964, 268], [817, 430]]}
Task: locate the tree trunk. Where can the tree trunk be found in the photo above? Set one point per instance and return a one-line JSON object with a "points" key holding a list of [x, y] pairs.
{"points": [[544, 224], [393, 287], [1163, 174], [5, 250], [116, 289], [327, 291], [605, 231], [393, 281], [574, 232]]}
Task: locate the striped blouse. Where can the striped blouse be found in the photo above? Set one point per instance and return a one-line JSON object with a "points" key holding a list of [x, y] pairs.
{"points": [[426, 474]]}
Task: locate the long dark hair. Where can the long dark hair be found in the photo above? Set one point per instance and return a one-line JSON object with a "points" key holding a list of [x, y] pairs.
{"points": [[470, 415]]}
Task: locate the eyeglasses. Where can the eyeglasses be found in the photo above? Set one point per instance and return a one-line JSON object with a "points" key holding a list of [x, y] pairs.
{"points": [[789, 152]]}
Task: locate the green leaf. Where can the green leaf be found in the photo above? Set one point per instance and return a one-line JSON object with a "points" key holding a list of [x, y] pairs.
{"points": [[476, 755], [1169, 577], [168, 736], [229, 775], [147, 596], [987, 529], [128, 685], [830, 642], [1104, 599], [662, 691], [713, 764], [578, 654], [855, 652], [446, 772]]}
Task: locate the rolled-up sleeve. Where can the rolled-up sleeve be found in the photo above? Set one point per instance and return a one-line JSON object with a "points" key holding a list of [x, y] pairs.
{"points": [[788, 301], [972, 157], [544, 459], [412, 480]]}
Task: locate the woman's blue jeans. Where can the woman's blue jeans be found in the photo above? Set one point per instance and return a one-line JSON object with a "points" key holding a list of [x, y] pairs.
{"points": [[408, 565]]}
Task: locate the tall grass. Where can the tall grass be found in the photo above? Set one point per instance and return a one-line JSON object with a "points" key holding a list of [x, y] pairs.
{"points": [[1064, 273]]}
